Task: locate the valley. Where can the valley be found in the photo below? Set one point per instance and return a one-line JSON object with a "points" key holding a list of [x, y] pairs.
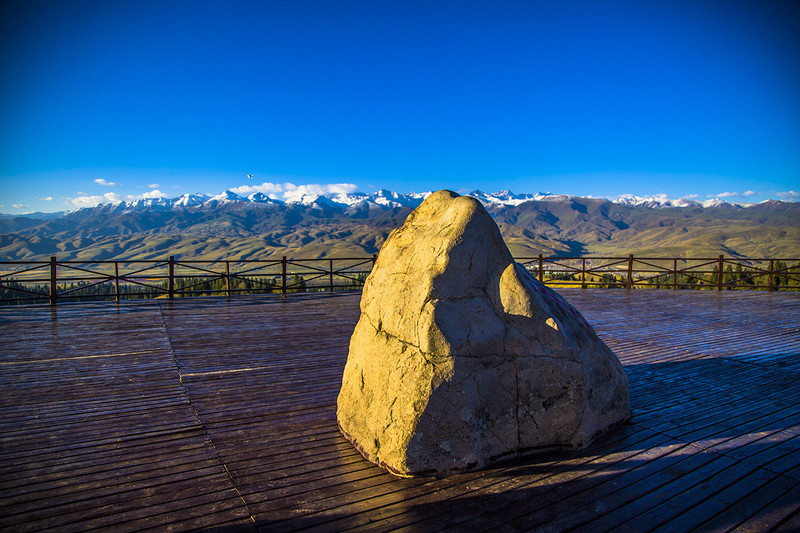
{"points": [[228, 227]]}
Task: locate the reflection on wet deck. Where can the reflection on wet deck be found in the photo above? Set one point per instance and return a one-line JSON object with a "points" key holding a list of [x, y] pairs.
{"points": [[220, 413]]}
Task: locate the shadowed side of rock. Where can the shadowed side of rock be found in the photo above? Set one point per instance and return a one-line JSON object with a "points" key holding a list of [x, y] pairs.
{"points": [[461, 357]]}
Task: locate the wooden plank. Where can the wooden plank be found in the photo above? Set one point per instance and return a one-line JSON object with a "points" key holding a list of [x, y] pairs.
{"points": [[790, 524], [64, 466], [702, 495], [764, 518], [491, 506], [205, 425], [738, 502], [597, 496], [363, 509], [108, 506]]}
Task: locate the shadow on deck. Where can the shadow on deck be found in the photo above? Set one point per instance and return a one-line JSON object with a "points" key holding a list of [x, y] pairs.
{"points": [[220, 414]]}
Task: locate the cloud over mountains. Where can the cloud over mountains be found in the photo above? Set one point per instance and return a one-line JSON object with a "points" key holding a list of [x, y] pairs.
{"points": [[289, 191], [292, 193], [112, 197], [348, 224], [286, 192], [745, 194]]}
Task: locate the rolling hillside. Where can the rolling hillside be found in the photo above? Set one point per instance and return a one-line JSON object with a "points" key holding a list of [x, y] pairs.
{"points": [[231, 227]]}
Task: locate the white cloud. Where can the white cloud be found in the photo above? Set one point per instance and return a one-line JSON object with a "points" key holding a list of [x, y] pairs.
{"points": [[290, 191], [111, 197], [46, 199], [152, 194], [731, 194], [153, 186], [104, 182], [285, 191], [689, 196], [342, 188], [661, 196], [295, 192], [789, 195], [270, 189], [94, 200], [19, 206]]}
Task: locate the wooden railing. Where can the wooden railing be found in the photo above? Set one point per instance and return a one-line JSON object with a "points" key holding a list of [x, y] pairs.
{"points": [[717, 273], [53, 281]]}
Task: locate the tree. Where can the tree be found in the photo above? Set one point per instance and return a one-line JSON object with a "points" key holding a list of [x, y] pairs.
{"points": [[297, 284]]}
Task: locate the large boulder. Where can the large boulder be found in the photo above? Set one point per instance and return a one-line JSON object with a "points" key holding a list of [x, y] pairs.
{"points": [[462, 358]]}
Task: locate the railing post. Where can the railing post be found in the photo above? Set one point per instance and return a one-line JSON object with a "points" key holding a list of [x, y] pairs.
{"points": [[597, 278], [283, 275], [116, 280], [228, 279], [629, 284], [675, 274], [583, 272], [171, 280], [770, 286], [541, 269], [53, 281]]}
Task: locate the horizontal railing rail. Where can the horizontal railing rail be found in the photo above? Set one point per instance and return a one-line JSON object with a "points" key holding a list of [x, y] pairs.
{"points": [[53, 281], [719, 273]]}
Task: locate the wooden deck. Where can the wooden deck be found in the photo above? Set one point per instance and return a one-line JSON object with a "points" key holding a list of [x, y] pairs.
{"points": [[220, 414]]}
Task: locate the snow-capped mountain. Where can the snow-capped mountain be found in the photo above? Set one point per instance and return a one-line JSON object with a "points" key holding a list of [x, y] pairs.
{"points": [[224, 198], [191, 200], [383, 198], [232, 225], [663, 201], [340, 202], [654, 201], [508, 198], [358, 203]]}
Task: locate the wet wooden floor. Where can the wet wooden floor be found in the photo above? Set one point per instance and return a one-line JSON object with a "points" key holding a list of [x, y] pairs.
{"points": [[220, 414]]}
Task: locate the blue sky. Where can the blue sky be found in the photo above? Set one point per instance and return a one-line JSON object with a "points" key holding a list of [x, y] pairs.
{"points": [[115, 100]]}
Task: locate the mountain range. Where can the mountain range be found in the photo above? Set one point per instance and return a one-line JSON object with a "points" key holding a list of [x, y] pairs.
{"points": [[229, 226]]}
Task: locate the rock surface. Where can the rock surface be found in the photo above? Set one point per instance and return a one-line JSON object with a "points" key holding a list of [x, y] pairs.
{"points": [[461, 358]]}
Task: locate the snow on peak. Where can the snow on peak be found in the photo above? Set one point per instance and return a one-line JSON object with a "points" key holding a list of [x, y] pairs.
{"points": [[191, 200], [318, 202], [303, 199], [149, 202], [659, 200], [261, 198], [358, 203], [508, 198], [226, 196], [716, 202]]}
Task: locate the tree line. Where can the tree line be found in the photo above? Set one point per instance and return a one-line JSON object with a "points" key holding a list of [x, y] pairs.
{"points": [[184, 286], [784, 278]]}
